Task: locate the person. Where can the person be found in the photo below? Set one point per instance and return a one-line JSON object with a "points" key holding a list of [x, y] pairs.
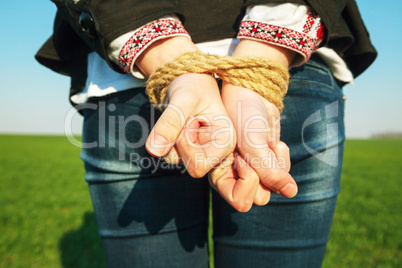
{"points": [[141, 163]]}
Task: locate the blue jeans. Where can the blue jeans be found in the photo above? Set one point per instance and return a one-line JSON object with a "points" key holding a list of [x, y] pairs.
{"points": [[151, 214]]}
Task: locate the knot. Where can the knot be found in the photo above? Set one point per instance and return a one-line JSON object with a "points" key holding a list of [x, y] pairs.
{"points": [[266, 77]]}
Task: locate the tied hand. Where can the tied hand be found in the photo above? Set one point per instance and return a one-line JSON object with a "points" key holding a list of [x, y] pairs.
{"points": [[194, 128], [263, 162]]}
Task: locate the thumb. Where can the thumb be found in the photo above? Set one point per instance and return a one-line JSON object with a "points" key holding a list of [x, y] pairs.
{"points": [[166, 131]]}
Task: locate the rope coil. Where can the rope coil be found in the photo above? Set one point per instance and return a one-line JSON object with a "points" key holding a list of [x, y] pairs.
{"points": [[266, 77]]}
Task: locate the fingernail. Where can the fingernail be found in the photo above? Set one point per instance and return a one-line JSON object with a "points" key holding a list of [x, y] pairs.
{"points": [[289, 190], [158, 146]]}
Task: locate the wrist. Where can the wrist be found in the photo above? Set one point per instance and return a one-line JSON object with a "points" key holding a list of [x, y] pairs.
{"points": [[253, 48], [232, 95], [198, 85], [272, 79], [163, 51]]}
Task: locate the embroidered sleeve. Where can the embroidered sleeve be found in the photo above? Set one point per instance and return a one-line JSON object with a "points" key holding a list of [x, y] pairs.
{"points": [[293, 26], [126, 48]]}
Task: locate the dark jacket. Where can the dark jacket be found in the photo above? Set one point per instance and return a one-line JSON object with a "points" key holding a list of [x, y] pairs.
{"points": [[91, 25]]}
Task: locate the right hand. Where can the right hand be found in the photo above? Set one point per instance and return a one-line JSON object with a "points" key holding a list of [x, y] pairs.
{"points": [[262, 163], [257, 126]]}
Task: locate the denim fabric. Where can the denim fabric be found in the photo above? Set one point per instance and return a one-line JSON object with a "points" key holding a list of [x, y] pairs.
{"points": [[151, 214], [293, 232]]}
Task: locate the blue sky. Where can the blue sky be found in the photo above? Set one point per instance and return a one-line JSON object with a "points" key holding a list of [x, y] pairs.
{"points": [[35, 100]]}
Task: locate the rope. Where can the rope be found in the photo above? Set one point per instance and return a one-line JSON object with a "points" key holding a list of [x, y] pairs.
{"points": [[266, 77]]}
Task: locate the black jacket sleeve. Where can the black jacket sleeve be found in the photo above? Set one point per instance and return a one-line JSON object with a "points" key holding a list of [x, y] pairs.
{"points": [[66, 53]]}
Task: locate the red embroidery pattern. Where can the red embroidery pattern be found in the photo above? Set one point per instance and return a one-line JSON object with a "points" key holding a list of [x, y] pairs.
{"points": [[309, 23], [315, 25], [145, 36], [294, 40]]}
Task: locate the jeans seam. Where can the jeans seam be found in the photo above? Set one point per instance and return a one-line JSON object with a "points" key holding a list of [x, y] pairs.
{"points": [[308, 82]]}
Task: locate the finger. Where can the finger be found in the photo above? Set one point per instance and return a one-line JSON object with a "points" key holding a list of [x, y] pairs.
{"points": [[247, 184], [166, 131], [191, 149], [263, 160], [206, 142], [262, 196], [274, 132], [225, 168], [173, 157], [270, 174], [237, 186], [282, 155]]}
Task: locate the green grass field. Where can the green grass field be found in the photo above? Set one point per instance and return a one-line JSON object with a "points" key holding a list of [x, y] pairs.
{"points": [[46, 217]]}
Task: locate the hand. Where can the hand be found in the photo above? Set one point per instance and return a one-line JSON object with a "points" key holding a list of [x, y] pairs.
{"points": [[194, 127], [246, 178], [257, 126]]}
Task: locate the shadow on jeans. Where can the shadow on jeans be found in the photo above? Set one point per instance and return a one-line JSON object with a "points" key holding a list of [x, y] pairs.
{"points": [[82, 247]]}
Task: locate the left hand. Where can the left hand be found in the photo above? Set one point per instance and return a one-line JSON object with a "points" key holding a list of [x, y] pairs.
{"points": [[194, 127]]}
